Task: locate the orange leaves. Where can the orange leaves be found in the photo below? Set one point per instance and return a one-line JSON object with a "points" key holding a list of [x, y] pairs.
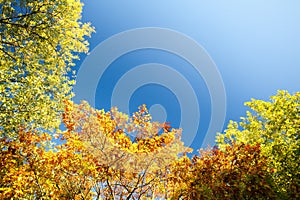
{"points": [[134, 134], [112, 155], [239, 172], [130, 155], [66, 115], [32, 168], [115, 156], [120, 139], [15, 161], [166, 126]]}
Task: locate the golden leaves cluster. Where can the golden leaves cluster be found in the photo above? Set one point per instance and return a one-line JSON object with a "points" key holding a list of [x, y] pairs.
{"points": [[136, 150], [32, 168], [100, 155], [110, 155]]}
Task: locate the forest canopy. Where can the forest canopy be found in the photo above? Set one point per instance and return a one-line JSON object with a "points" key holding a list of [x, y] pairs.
{"points": [[109, 154]]}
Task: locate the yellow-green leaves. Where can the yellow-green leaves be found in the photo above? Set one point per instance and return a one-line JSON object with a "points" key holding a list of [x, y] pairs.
{"points": [[276, 126], [39, 41]]}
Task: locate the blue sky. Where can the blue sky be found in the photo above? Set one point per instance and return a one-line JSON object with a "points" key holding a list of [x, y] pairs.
{"points": [[255, 46]]}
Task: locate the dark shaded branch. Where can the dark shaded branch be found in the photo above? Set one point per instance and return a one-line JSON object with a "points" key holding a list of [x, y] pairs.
{"points": [[3, 20]]}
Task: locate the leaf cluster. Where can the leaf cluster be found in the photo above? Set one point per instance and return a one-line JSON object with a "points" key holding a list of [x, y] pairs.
{"points": [[238, 172], [275, 125], [39, 41]]}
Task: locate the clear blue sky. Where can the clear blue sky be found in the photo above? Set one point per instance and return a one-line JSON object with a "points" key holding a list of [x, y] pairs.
{"points": [[254, 44]]}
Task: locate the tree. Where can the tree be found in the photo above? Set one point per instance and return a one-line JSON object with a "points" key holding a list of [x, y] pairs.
{"points": [[134, 152], [239, 172], [39, 39], [97, 158], [276, 126], [33, 168]]}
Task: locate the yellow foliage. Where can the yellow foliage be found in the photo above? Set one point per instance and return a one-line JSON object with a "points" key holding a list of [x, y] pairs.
{"points": [[39, 41], [135, 151], [275, 125]]}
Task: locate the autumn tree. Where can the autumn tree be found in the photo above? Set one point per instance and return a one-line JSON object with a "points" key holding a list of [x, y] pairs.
{"points": [[134, 152], [109, 155], [102, 155], [39, 40], [32, 167], [238, 172], [275, 125]]}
